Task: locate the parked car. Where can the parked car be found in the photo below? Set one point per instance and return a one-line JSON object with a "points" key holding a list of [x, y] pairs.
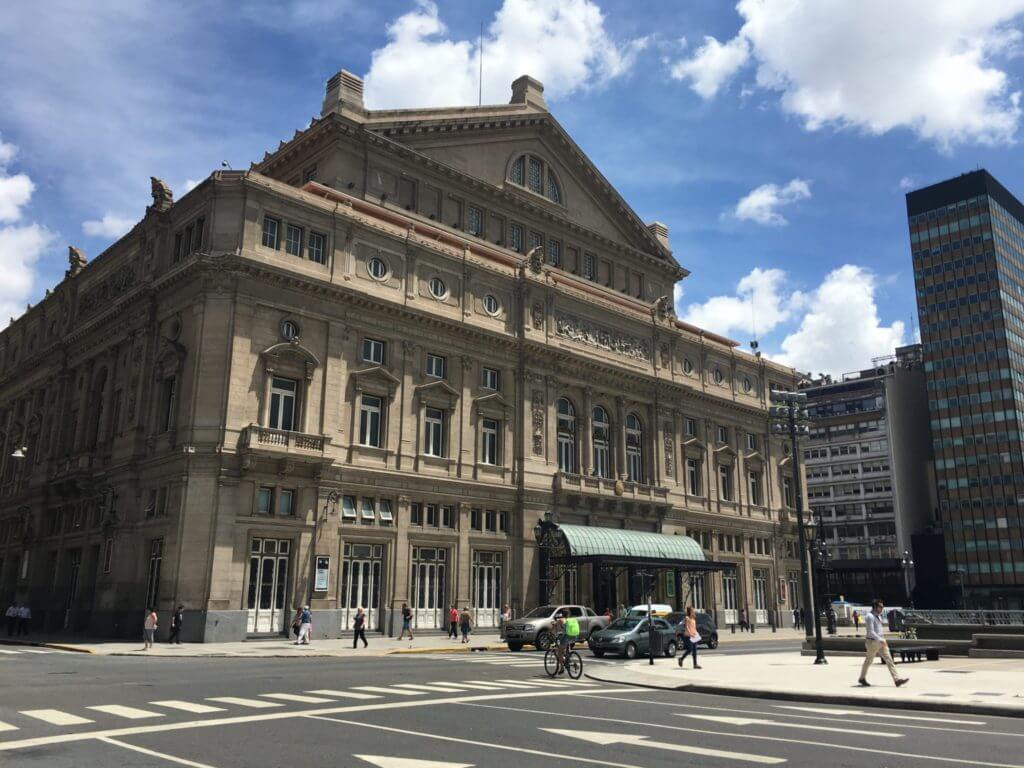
{"points": [[706, 627], [658, 609], [630, 637], [535, 627]]}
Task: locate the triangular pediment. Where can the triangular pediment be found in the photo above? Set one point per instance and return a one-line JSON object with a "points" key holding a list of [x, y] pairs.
{"points": [[491, 401], [692, 443], [725, 450], [438, 388], [376, 377]]}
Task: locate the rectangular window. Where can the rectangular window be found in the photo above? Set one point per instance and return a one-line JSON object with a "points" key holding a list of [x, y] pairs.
{"points": [[316, 248], [407, 194], [309, 173], [754, 488], [197, 237], [787, 492], [751, 442], [490, 378], [293, 240], [370, 410], [167, 397], [447, 517], [515, 237], [436, 366], [693, 477], [265, 500], [282, 403], [536, 240], [384, 509], [432, 515], [555, 253], [476, 520], [286, 503], [415, 514], [589, 266], [723, 435], [271, 232], [108, 555], [433, 432], [177, 247], [725, 482], [491, 520], [475, 221], [490, 441], [348, 507], [366, 510], [373, 351], [503, 522], [691, 427]]}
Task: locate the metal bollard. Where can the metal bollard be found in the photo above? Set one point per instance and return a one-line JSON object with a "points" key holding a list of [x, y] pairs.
{"points": [[753, 626], [734, 629]]}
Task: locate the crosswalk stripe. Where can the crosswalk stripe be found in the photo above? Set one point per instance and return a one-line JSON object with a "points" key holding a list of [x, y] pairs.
{"points": [[474, 686], [187, 706], [296, 697], [430, 688], [7, 727], [379, 689], [34, 650], [240, 702], [130, 713], [9, 653], [344, 694], [520, 683], [55, 717]]}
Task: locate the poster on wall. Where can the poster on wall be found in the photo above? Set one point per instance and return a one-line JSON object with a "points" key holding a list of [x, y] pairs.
{"points": [[323, 570]]}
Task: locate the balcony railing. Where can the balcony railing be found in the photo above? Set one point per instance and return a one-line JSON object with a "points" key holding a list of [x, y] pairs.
{"points": [[588, 484], [279, 440]]}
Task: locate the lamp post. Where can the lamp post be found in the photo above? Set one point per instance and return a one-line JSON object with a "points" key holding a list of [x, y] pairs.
{"points": [[330, 502], [790, 419], [907, 564]]}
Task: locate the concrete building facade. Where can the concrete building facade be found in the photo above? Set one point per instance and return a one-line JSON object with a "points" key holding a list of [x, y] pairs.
{"points": [[359, 373]]}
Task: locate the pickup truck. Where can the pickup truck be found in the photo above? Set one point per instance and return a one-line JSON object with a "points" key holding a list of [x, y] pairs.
{"points": [[535, 627]]}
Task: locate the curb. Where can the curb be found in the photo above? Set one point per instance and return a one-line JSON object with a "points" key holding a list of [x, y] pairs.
{"points": [[55, 646], [826, 698]]}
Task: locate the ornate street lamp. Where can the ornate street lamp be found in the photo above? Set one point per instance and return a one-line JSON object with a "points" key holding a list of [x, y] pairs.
{"points": [[790, 419]]}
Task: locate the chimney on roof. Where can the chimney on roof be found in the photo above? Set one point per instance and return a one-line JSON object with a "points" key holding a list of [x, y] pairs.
{"points": [[526, 90], [344, 92], [660, 232]]}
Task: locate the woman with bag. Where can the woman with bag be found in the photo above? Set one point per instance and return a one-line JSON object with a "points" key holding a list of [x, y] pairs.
{"points": [[690, 637], [149, 629], [297, 622]]}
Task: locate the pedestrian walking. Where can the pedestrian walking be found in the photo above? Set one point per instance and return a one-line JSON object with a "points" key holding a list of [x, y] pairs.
{"points": [[832, 620], [744, 624], [875, 644], [305, 627], [453, 623], [856, 623], [506, 617], [12, 618], [296, 622], [149, 625], [622, 611], [465, 623], [24, 619], [690, 637], [359, 628], [407, 622], [796, 618], [175, 636]]}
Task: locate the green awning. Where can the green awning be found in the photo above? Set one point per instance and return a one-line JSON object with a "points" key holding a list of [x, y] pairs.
{"points": [[619, 544]]}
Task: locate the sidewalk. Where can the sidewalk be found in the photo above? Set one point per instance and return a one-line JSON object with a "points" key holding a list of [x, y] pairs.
{"points": [[283, 648], [979, 686]]}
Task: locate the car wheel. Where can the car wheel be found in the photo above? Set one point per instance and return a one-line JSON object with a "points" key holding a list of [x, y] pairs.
{"points": [[630, 650], [543, 640], [713, 641], [597, 652], [515, 647], [670, 650]]}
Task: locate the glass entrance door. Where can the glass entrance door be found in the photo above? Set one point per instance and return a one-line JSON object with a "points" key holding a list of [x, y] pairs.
{"points": [[428, 587], [487, 586], [361, 571], [268, 585]]}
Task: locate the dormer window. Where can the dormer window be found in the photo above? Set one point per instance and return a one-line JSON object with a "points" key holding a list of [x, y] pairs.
{"points": [[535, 175]]}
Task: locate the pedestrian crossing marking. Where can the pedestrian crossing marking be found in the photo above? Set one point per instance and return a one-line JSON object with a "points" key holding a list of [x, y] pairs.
{"points": [[34, 650], [379, 689], [431, 688], [7, 727], [187, 706], [884, 715], [237, 701], [298, 698], [9, 653], [472, 686], [344, 694], [130, 713], [55, 717]]}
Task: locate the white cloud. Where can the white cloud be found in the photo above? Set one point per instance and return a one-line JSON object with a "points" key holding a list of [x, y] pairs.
{"points": [[762, 204], [908, 183], [191, 184], [562, 43], [712, 65], [109, 226], [15, 192], [760, 305], [926, 65], [7, 153], [677, 296], [841, 330]]}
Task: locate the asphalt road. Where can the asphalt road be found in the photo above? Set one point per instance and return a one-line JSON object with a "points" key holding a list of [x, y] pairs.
{"points": [[491, 710]]}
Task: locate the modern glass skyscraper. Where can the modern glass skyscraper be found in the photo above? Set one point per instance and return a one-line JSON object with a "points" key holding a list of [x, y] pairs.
{"points": [[967, 238]]}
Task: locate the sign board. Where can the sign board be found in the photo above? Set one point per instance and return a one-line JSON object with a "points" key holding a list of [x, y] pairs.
{"points": [[323, 572], [782, 589]]}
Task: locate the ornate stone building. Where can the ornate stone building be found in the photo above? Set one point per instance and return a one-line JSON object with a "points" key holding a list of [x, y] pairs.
{"points": [[359, 373]]}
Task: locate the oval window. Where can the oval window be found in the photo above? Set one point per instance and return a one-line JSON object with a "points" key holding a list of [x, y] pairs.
{"points": [[719, 377], [377, 268], [289, 330], [747, 384], [687, 365], [437, 288], [491, 304]]}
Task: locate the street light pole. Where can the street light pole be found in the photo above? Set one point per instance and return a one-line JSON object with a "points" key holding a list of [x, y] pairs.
{"points": [[907, 562], [330, 501]]}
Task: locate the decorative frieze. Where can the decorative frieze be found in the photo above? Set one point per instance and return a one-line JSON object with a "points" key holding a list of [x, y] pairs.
{"points": [[593, 335], [537, 415]]}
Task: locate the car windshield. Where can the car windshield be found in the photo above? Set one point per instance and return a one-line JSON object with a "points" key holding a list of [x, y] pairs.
{"points": [[624, 623], [542, 611]]}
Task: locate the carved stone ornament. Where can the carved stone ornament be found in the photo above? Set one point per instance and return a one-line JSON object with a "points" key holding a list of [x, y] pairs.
{"points": [[664, 308], [76, 261], [537, 416], [163, 198], [108, 290], [669, 443], [663, 354], [586, 332], [535, 260], [537, 314]]}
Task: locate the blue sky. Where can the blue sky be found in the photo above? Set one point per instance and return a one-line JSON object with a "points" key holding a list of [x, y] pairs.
{"points": [[775, 138]]}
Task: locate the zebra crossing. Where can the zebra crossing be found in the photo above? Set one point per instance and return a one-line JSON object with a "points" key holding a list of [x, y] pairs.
{"points": [[20, 651], [225, 705]]}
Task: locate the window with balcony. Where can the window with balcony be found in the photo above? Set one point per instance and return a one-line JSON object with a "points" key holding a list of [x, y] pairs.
{"points": [[371, 409], [490, 441], [601, 428], [566, 435], [433, 432], [634, 449], [282, 403]]}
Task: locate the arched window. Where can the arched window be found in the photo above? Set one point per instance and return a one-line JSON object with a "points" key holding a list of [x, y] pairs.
{"points": [[602, 431], [566, 435], [634, 449], [536, 175]]}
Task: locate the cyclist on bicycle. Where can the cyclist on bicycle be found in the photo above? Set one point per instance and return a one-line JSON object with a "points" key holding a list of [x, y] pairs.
{"points": [[568, 629]]}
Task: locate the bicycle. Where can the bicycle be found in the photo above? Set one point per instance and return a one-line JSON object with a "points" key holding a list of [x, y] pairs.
{"points": [[573, 663]]}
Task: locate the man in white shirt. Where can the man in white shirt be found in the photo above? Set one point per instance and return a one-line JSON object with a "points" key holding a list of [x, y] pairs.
{"points": [[875, 645], [24, 618]]}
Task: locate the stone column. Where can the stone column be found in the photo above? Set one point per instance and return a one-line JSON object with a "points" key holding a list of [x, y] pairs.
{"points": [[620, 437], [462, 559], [585, 430], [268, 380]]}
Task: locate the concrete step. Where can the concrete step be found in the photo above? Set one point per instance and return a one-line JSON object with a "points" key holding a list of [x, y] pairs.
{"points": [[994, 653]]}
